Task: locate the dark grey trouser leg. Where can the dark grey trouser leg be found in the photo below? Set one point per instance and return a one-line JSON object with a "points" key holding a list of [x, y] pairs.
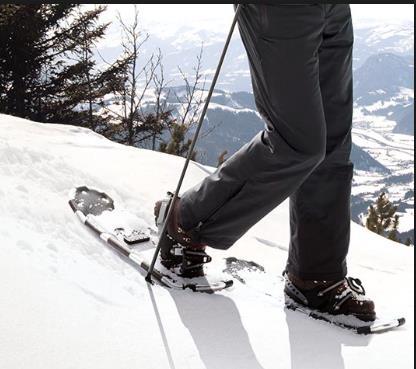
{"points": [[282, 43], [320, 208]]}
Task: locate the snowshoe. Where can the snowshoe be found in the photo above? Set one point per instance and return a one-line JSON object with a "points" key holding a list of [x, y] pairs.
{"points": [[345, 297], [126, 234], [342, 303]]}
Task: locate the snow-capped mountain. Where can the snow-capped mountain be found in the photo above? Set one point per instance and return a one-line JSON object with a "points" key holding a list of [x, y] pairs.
{"points": [[182, 47], [384, 81], [67, 301], [383, 38]]}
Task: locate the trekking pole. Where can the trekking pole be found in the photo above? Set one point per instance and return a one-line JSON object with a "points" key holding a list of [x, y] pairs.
{"points": [[191, 149]]}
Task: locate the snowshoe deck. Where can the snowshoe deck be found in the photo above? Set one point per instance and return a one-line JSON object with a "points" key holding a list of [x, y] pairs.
{"points": [[90, 205]]}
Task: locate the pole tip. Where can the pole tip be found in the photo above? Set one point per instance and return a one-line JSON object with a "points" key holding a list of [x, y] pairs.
{"points": [[148, 278]]}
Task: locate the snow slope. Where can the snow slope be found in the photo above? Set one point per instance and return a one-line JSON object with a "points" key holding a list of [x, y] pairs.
{"points": [[68, 302]]}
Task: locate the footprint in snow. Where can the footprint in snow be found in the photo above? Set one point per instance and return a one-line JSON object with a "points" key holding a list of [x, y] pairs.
{"points": [[234, 266]]}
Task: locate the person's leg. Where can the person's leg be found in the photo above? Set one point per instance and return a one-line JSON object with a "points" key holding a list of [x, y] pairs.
{"points": [[282, 44], [320, 208]]}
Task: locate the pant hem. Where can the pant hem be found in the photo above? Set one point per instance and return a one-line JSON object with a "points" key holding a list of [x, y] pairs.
{"points": [[330, 276], [183, 219]]}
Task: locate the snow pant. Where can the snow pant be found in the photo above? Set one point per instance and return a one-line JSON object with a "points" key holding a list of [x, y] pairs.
{"points": [[300, 60]]}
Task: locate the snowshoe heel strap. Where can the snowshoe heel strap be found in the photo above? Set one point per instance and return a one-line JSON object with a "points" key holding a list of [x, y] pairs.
{"points": [[356, 285], [293, 291]]}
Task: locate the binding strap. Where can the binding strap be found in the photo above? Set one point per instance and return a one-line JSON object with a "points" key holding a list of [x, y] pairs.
{"points": [[352, 286]]}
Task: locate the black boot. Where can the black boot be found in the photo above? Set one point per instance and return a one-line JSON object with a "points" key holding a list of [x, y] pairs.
{"points": [[346, 296], [178, 250]]}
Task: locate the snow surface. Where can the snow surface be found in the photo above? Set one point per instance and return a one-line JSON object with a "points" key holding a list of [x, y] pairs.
{"points": [[374, 134], [68, 302]]}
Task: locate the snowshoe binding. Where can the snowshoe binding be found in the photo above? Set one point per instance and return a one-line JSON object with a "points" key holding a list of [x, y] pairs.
{"points": [[342, 303], [344, 297], [178, 251]]}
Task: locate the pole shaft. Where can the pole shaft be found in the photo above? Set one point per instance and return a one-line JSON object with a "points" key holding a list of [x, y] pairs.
{"points": [[195, 138]]}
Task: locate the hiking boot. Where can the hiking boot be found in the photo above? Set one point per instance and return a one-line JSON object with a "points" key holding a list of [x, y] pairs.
{"points": [[174, 228], [346, 296], [178, 249]]}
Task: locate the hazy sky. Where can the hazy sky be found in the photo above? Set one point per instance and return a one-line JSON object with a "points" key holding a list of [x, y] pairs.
{"points": [[168, 18]]}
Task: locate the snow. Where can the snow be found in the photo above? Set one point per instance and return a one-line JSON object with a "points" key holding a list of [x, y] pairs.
{"points": [[395, 151], [404, 97], [67, 301], [392, 150], [376, 122], [385, 32], [407, 220], [214, 106]]}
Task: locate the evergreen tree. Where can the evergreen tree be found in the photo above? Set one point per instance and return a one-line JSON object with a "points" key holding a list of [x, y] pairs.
{"points": [[381, 218], [393, 233], [30, 37], [178, 145], [47, 68], [408, 241], [86, 86]]}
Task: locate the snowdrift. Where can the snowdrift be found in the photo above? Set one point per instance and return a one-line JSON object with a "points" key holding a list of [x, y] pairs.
{"points": [[67, 301]]}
